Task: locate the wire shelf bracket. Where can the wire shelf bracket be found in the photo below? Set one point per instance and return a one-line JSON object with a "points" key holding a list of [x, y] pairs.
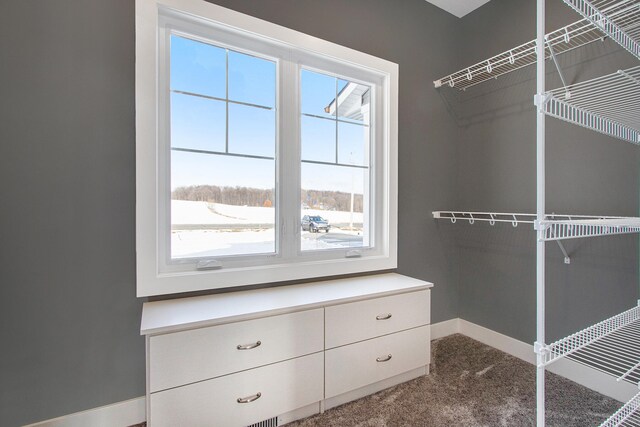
{"points": [[617, 19], [555, 62]]}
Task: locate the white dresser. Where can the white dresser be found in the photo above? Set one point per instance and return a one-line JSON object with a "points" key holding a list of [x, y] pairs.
{"points": [[282, 353]]}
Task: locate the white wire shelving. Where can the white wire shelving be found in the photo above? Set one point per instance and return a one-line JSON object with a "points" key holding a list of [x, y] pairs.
{"points": [[617, 19], [551, 229], [611, 346], [608, 104], [627, 416], [565, 39], [554, 226]]}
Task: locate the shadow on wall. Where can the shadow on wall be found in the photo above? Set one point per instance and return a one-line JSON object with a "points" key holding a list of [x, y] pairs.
{"points": [[499, 265], [512, 94]]}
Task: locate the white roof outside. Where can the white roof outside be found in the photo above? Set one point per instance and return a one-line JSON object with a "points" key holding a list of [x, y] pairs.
{"points": [[350, 101]]}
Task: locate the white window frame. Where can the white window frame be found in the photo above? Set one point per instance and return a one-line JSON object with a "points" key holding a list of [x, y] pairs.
{"points": [[294, 50]]}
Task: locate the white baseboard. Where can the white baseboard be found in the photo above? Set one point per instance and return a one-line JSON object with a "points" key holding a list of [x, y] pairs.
{"points": [[509, 345], [576, 372], [121, 414], [444, 329]]}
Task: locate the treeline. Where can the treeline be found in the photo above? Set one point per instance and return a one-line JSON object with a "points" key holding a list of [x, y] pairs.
{"points": [[331, 200], [241, 196], [238, 196]]}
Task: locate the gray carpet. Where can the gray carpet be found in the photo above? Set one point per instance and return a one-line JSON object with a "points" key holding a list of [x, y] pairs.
{"points": [[471, 384]]}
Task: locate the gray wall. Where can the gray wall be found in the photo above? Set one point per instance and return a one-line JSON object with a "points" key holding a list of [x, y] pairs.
{"points": [[586, 174], [68, 312], [69, 319]]}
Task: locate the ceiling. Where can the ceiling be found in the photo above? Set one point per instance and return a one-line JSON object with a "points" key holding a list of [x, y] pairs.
{"points": [[458, 8]]}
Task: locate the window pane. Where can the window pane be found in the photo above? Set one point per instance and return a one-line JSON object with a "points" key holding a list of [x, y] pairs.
{"points": [[353, 102], [197, 123], [252, 80], [353, 144], [252, 130], [318, 93], [318, 139], [198, 67], [221, 205], [334, 207]]}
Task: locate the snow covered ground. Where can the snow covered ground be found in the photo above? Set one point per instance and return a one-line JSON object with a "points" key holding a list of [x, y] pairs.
{"points": [[204, 229], [203, 243], [203, 213]]}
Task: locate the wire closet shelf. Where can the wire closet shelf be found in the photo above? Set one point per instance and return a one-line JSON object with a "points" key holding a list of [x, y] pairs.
{"points": [[555, 226], [608, 104], [627, 416], [565, 39], [611, 346], [617, 19]]}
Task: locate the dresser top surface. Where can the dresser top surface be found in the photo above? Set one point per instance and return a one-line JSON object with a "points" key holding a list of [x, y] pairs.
{"points": [[185, 313]]}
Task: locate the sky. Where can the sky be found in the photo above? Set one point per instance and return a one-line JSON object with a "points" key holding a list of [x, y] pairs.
{"points": [[200, 123]]}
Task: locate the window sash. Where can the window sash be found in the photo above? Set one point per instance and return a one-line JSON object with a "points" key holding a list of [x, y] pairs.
{"points": [[369, 190], [289, 67], [167, 143]]}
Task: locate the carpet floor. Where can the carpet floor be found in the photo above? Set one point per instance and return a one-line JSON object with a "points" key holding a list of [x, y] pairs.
{"points": [[471, 384]]}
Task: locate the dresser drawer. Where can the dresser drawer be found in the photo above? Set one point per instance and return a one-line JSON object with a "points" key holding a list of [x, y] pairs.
{"points": [[283, 387], [352, 322], [353, 366], [189, 356]]}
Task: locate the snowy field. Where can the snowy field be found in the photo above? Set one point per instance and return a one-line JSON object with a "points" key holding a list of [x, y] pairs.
{"points": [[204, 213], [204, 229]]}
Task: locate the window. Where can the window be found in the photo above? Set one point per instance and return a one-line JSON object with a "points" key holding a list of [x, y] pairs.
{"points": [[222, 139], [335, 139], [263, 154]]}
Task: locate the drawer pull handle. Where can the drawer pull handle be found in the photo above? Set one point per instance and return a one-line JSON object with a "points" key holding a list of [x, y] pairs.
{"points": [[249, 347], [250, 398], [384, 359], [383, 316]]}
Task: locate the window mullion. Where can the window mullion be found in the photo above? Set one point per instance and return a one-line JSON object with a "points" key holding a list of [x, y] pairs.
{"points": [[226, 100], [289, 158]]}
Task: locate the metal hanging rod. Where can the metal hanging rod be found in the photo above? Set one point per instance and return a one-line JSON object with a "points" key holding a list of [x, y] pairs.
{"points": [[618, 19], [567, 38], [608, 104], [491, 217], [523, 218], [554, 227]]}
